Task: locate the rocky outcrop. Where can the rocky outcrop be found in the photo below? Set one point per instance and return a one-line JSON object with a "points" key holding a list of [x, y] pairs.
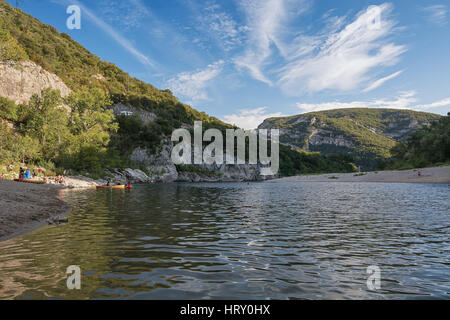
{"points": [[222, 173], [122, 109], [20, 80], [365, 134], [320, 136], [159, 165], [160, 168]]}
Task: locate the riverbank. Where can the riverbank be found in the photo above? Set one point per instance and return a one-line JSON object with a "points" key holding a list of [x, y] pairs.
{"points": [[427, 175], [25, 207]]}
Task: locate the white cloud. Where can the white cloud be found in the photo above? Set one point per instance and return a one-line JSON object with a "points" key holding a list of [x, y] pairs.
{"points": [[437, 14], [440, 103], [192, 85], [344, 59], [265, 20], [250, 118], [405, 100], [379, 82]]}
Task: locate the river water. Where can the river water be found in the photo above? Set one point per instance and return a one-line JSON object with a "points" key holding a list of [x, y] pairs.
{"points": [[240, 241]]}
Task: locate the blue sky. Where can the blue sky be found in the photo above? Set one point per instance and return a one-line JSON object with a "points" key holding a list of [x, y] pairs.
{"points": [[245, 60]]}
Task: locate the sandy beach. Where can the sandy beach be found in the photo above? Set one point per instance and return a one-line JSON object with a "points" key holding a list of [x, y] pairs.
{"points": [[25, 207], [427, 175]]}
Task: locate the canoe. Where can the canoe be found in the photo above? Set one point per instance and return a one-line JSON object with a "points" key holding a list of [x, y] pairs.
{"points": [[113, 187], [29, 181]]}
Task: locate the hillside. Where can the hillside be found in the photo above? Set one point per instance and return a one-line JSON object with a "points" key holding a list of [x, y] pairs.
{"points": [[428, 146], [58, 53], [42, 69], [364, 134]]}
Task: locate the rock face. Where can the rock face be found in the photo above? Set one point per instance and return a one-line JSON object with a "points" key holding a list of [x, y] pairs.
{"points": [[20, 80], [364, 134], [308, 133], [222, 173], [122, 109], [160, 168]]}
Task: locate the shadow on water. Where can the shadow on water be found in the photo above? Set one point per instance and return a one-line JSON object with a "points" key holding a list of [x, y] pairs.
{"points": [[239, 241]]}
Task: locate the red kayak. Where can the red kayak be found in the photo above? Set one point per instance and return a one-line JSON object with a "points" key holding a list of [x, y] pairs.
{"points": [[29, 181]]}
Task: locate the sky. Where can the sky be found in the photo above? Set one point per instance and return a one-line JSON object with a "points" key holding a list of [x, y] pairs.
{"points": [[247, 60]]}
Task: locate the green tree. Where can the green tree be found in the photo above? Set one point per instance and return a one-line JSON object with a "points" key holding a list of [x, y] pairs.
{"points": [[89, 122], [8, 109], [26, 148], [46, 121], [427, 146], [9, 47]]}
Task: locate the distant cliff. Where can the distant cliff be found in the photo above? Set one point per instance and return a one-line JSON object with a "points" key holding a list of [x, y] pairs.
{"points": [[364, 134]]}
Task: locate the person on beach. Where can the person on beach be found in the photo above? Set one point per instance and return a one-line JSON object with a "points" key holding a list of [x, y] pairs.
{"points": [[21, 173], [28, 174], [34, 174]]}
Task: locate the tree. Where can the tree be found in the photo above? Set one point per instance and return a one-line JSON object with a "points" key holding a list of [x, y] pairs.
{"points": [[89, 122], [45, 121], [8, 109], [9, 47]]}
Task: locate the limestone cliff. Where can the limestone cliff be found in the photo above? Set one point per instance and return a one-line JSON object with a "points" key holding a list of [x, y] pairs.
{"points": [[20, 80], [365, 134], [160, 168]]}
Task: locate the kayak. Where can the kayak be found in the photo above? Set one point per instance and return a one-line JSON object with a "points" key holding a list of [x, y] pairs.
{"points": [[113, 187], [29, 181]]}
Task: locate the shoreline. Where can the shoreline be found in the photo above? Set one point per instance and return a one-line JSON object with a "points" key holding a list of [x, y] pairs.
{"points": [[436, 175], [27, 207]]}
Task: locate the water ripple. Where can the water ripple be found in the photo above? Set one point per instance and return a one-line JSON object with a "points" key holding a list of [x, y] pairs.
{"points": [[239, 241]]}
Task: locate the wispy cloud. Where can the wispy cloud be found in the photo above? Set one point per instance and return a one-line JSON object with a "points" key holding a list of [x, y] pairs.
{"points": [[123, 42], [221, 27], [344, 59], [250, 118], [265, 20], [437, 104], [192, 85], [404, 100], [379, 82], [126, 14], [437, 14]]}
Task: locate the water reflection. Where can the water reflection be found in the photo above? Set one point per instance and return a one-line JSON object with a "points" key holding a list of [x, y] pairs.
{"points": [[239, 241]]}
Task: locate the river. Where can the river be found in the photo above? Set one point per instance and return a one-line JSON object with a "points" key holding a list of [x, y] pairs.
{"points": [[285, 240]]}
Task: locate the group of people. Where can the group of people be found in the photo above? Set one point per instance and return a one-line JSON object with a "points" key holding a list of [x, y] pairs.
{"points": [[26, 174], [60, 179]]}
